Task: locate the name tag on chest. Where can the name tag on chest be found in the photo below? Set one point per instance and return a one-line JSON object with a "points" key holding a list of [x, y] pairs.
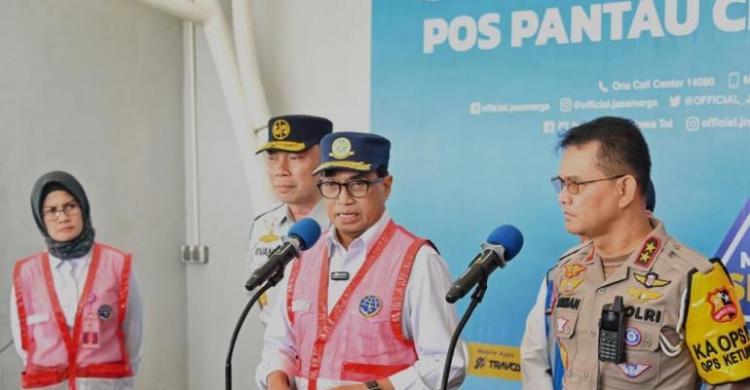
{"points": [[339, 275]]}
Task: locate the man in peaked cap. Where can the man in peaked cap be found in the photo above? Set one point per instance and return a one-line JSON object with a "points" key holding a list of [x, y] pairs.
{"points": [[364, 307], [291, 154]]}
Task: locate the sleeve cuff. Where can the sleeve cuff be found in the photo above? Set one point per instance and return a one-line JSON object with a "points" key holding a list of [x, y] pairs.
{"points": [[277, 363], [404, 378]]}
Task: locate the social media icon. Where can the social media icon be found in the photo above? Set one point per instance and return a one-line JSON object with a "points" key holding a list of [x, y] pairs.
{"points": [[566, 104], [734, 80], [692, 124], [475, 108], [548, 127], [675, 101]]}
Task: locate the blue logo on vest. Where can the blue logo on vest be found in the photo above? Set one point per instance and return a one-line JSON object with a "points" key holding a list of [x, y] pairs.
{"points": [[370, 306], [104, 312], [734, 252]]}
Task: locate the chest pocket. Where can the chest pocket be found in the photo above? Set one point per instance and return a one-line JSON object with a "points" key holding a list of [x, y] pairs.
{"points": [[642, 358]]}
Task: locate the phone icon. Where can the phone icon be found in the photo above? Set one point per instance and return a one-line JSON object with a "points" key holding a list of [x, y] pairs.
{"points": [[602, 87]]}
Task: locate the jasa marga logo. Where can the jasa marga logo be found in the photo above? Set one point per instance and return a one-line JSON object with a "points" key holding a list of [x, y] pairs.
{"points": [[734, 252]]}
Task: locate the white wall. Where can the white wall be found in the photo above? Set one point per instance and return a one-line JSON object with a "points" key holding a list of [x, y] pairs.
{"points": [[315, 59], [95, 87]]}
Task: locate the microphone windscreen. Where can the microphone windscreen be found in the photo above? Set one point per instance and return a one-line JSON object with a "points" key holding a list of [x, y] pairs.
{"points": [[307, 231], [509, 237]]}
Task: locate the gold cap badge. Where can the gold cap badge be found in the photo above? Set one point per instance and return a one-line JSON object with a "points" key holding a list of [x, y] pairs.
{"points": [[281, 129], [341, 148]]}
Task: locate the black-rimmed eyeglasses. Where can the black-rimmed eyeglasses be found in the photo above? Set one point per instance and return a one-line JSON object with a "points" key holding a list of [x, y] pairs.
{"points": [[357, 188]]}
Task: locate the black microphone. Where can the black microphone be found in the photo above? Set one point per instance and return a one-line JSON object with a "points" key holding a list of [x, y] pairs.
{"points": [[302, 235], [502, 245]]}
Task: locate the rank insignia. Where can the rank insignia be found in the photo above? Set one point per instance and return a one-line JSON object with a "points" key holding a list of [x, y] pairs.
{"points": [[651, 279], [567, 286], [642, 295], [281, 129], [723, 307], [573, 270], [648, 252], [370, 306], [633, 370]]}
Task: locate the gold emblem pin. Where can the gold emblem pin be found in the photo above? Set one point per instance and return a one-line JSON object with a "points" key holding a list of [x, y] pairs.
{"points": [[269, 238], [642, 296], [281, 129], [341, 148], [651, 279], [567, 286]]}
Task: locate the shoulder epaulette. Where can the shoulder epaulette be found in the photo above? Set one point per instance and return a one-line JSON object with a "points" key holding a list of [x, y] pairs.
{"points": [[691, 257], [272, 209]]}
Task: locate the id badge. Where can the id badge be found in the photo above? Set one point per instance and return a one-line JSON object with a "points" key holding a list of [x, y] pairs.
{"points": [[90, 333]]}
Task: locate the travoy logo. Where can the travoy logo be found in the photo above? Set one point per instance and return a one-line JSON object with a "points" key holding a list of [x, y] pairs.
{"points": [[734, 252], [495, 361]]}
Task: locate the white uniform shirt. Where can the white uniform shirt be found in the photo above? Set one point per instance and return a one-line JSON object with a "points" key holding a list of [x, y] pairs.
{"points": [[426, 318], [535, 364], [69, 278], [266, 233]]}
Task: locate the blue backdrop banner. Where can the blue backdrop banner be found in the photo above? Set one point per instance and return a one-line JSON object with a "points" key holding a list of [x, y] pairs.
{"points": [[475, 94]]}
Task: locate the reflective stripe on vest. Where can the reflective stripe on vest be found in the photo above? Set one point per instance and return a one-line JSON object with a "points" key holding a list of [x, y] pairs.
{"points": [[96, 346], [362, 337]]}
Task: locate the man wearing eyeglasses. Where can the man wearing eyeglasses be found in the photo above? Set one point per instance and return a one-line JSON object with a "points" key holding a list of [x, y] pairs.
{"points": [[291, 154], [541, 365], [364, 307], [76, 312], [679, 322]]}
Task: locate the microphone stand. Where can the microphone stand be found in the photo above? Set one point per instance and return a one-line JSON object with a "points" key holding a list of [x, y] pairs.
{"points": [[476, 298], [272, 281]]}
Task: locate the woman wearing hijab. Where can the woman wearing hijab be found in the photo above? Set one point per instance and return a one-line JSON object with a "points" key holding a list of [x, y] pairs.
{"points": [[76, 312]]}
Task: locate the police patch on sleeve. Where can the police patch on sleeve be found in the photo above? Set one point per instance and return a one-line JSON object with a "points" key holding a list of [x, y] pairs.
{"points": [[715, 328], [370, 306]]}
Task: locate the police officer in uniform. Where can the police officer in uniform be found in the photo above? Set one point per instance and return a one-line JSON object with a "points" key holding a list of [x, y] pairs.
{"points": [[291, 155], [541, 366], [364, 307], [672, 317]]}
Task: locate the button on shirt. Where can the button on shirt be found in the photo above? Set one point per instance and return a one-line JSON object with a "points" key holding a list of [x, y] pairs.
{"points": [[69, 279], [426, 317]]}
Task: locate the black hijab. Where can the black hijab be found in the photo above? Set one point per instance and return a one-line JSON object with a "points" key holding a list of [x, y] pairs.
{"points": [[54, 181]]}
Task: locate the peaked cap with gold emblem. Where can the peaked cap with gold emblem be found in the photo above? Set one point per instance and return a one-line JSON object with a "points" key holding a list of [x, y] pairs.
{"points": [[295, 133], [363, 152]]}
